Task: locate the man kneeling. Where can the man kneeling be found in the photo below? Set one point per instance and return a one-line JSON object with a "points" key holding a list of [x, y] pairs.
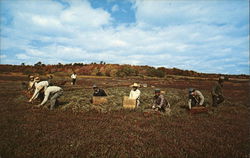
{"points": [[54, 92], [195, 98], [159, 102]]}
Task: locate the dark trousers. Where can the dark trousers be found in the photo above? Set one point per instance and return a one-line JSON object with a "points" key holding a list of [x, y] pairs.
{"points": [[160, 108], [217, 100], [41, 96], [194, 102], [73, 81]]}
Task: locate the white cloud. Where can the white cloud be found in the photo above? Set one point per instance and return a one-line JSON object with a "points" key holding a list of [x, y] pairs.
{"points": [[82, 15], [22, 56], [3, 56], [115, 8], [173, 12], [45, 21], [166, 33]]}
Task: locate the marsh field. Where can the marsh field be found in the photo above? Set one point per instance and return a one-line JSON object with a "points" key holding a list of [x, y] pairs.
{"points": [[77, 128]]}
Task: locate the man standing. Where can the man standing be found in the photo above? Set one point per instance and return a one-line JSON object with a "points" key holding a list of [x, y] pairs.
{"points": [[217, 95], [54, 92], [98, 92], [135, 94], [195, 98], [159, 102], [38, 88], [73, 77]]}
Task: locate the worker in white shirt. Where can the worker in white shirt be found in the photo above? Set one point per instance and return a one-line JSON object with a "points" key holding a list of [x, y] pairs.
{"points": [[195, 98], [135, 93], [39, 88], [73, 77], [54, 92]]}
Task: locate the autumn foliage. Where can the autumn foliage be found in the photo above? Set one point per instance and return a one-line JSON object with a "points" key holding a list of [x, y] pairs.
{"points": [[102, 69]]}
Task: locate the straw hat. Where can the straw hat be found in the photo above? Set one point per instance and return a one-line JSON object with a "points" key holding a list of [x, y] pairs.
{"points": [[31, 77], [37, 79], [135, 85]]}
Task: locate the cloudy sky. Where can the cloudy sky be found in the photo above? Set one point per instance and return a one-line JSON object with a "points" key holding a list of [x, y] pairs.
{"points": [[209, 36]]}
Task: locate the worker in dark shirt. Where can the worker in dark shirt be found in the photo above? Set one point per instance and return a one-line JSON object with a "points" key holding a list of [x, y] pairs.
{"points": [[217, 94], [159, 102], [98, 91]]}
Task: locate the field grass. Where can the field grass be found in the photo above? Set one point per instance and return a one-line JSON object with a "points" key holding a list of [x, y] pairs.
{"points": [[79, 129], [79, 100]]}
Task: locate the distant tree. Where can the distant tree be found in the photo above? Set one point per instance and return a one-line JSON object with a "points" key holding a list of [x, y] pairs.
{"points": [[23, 64], [38, 64], [153, 72], [127, 71], [78, 64]]}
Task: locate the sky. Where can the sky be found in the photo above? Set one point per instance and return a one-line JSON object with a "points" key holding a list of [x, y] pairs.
{"points": [[210, 36]]}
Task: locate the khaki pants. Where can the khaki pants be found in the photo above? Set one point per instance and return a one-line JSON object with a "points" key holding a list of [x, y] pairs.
{"points": [[137, 102], [53, 99]]}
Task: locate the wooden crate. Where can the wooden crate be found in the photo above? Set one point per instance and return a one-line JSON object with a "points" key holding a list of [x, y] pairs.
{"points": [[198, 109], [100, 100], [129, 103]]}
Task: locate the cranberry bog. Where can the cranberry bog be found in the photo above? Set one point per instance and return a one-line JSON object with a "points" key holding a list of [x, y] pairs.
{"points": [[77, 128]]}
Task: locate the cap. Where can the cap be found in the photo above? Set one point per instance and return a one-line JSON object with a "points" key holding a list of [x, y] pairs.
{"points": [[37, 79], [157, 91], [190, 90]]}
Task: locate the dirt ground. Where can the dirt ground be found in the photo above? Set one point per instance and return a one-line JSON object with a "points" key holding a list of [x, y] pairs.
{"points": [[26, 131]]}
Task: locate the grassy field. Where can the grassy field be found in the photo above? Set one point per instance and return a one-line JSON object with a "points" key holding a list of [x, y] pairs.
{"points": [[79, 129]]}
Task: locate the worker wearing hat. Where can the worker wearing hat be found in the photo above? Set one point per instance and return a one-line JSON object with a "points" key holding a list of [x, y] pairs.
{"points": [[217, 95], [159, 102], [40, 87], [37, 79], [50, 80], [51, 93], [31, 83], [135, 93], [98, 91], [195, 98]]}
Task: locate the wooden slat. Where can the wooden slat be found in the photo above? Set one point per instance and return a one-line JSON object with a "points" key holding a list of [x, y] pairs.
{"points": [[99, 100], [129, 103]]}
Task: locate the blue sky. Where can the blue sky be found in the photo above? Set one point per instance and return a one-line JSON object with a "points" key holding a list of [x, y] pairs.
{"points": [[201, 35]]}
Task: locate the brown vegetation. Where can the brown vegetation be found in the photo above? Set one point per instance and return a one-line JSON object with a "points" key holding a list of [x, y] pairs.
{"points": [[79, 129], [111, 70]]}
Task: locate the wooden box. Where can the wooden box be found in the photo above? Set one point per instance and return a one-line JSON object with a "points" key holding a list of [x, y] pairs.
{"points": [[100, 100], [129, 103], [198, 109]]}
